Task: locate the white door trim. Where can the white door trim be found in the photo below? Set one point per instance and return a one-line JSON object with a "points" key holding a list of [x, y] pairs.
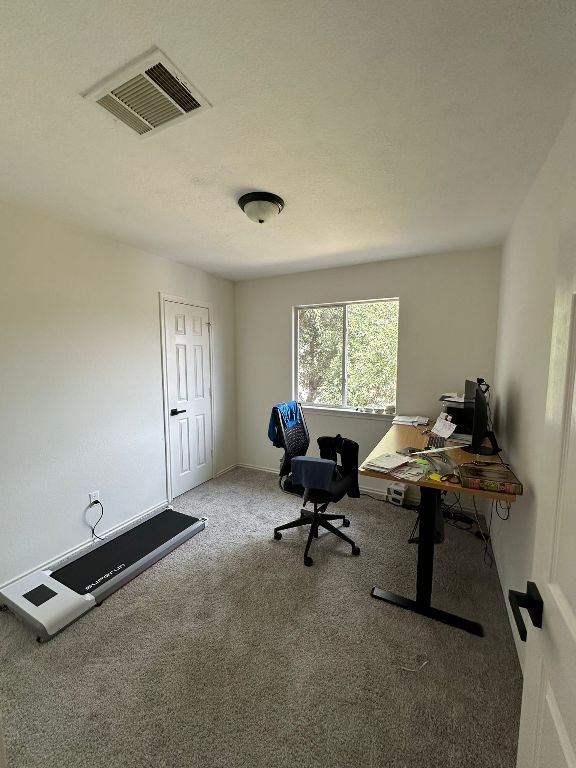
{"points": [[556, 637], [163, 298]]}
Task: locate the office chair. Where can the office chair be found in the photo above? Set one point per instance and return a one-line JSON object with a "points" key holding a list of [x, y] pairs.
{"points": [[295, 440]]}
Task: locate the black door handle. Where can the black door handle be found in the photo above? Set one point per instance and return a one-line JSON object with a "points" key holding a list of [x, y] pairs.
{"points": [[530, 600], [175, 411]]}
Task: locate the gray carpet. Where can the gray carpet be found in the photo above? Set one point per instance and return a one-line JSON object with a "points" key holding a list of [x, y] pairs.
{"points": [[229, 652]]}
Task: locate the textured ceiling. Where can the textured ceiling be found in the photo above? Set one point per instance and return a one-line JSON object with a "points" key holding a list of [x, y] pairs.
{"points": [[389, 127]]}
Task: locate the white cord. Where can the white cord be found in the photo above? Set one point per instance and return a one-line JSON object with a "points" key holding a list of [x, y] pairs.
{"points": [[409, 669]]}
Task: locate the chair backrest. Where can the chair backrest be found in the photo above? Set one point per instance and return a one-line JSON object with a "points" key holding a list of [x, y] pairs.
{"points": [[332, 447], [295, 440]]}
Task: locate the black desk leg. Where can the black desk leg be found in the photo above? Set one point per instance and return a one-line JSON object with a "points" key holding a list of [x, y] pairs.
{"points": [[429, 508]]}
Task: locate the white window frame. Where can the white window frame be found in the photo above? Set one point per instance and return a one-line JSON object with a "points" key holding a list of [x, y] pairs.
{"points": [[295, 340]]}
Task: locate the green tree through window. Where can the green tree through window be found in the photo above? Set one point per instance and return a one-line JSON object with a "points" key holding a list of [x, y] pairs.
{"points": [[347, 354]]}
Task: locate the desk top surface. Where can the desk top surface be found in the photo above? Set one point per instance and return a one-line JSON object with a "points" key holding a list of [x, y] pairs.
{"points": [[407, 436]]}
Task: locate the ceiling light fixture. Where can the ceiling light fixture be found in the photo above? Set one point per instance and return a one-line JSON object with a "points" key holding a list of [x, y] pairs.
{"points": [[261, 206]]}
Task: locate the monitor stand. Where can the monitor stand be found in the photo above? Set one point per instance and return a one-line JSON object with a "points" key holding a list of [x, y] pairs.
{"points": [[485, 450]]}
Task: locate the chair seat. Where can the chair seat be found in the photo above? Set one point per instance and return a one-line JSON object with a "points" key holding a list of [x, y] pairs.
{"points": [[337, 490]]}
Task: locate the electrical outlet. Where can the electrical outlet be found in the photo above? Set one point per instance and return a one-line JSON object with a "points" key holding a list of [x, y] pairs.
{"points": [[94, 496]]}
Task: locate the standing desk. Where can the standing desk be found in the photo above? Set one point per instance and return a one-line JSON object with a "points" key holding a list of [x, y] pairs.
{"points": [[407, 436]]}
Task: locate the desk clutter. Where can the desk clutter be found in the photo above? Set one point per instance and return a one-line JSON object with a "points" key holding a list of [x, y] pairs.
{"points": [[437, 465], [407, 467]]}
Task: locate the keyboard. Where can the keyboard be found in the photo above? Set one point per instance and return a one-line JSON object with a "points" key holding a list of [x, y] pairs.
{"points": [[435, 441]]}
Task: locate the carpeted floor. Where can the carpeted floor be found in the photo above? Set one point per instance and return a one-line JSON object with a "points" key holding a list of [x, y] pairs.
{"points": [[230, 653]]}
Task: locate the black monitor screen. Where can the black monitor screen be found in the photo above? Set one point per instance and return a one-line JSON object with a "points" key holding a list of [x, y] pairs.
{"points": [[470, 391], [481, 427], [480, 424]]}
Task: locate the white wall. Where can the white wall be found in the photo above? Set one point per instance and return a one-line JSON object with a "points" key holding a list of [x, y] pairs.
{"points": [[524, 343], [447, 331], [81, 381]]}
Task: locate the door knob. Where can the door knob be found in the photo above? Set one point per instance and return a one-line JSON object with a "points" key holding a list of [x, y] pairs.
{"points": [[530, 600], [175, 411]]}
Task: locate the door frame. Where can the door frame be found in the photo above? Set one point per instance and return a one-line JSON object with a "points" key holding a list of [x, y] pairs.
{"points": [[163, 298], [560, 383]]}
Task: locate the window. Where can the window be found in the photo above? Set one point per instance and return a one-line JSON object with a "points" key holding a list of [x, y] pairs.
{"points": [[346, 354]]}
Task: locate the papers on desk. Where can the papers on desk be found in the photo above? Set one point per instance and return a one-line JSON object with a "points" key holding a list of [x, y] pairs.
{"points": [[385, 462], [411, 472], [415, 420], [398, 466], [443, 427]]}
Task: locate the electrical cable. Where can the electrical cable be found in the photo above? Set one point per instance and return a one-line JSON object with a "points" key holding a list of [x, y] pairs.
{"points": [[447, 510], [372, 497], [507, 506], [486, 538], [93, 527]]}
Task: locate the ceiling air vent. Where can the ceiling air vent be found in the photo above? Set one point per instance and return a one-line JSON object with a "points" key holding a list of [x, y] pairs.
{"points": [[148, 94]]}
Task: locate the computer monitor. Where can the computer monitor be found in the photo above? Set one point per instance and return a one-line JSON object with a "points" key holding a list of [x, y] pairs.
{"points": [[480, 425], [470, 388]]}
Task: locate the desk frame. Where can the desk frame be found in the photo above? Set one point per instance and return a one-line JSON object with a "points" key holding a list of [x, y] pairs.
{"points": [[431, 498]]}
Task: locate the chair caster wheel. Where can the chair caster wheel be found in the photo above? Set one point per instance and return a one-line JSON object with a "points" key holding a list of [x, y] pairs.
{"points": [[277, 535], [308, 561], [346, 523], [355, 550]]}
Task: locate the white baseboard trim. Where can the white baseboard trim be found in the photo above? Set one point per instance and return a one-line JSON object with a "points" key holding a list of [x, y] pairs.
{"points": [[261, 469], [372, 492], [224, 471], [87, 544]]}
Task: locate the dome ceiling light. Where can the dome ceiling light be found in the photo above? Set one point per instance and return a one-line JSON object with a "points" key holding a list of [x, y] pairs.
{"points": [[261, 206]]}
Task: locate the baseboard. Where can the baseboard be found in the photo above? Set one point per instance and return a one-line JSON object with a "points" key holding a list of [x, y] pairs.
{"points": [[261, 469], [372, 492], [70, 554], [224, 471]]}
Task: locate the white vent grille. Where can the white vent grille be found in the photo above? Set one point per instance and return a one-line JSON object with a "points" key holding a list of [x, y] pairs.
{"points": [[148, 95]]}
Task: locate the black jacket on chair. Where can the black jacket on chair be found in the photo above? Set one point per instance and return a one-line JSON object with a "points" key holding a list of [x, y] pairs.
{"points": [[330, 447]]}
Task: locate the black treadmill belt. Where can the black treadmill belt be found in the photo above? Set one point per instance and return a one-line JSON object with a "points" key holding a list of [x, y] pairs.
{"points": [[101, 564]]}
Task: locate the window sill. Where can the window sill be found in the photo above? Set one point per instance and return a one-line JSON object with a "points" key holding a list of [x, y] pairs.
{"points": [[314, 410]]}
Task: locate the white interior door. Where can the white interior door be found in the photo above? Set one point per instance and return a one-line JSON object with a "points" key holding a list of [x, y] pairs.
{"points": [[188, 395], [548, 720]]}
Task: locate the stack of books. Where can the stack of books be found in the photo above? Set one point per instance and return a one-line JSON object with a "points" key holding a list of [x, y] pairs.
{"points": [[498, 478]]}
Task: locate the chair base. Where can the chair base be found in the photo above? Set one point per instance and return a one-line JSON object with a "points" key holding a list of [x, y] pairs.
{"points": [[317, 519]]}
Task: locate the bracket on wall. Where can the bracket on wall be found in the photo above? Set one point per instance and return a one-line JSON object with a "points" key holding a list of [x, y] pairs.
{"points": [[532, 602]]}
